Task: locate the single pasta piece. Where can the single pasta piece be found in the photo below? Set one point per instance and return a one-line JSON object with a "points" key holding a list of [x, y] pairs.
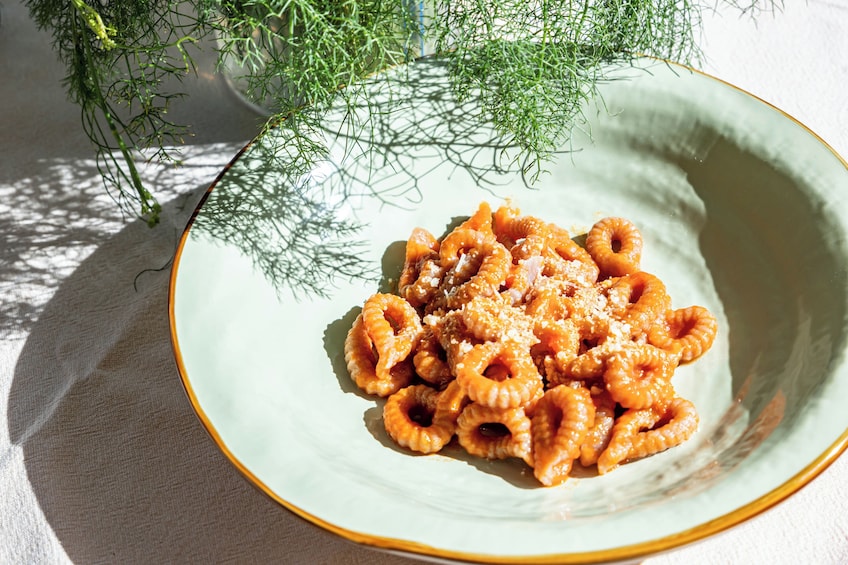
{"points": [[409, 418], [592, 363], [394, 328], [558, 345], [616, 246], [460, 242], [502, 223], [548, 304], [564, 258], [492, 319], [590, 311], [598, 436], [681, 421], [623, 432], [463, 246], [523, 227], [499, 375], [639, 376], [452, 401], [642, 300], [640, 433], [527, 247], [560, 423], [525, 236], [484, 318], [421, 272], [362, 364], [494, 433], [430, 360], [481, 220], [454, 277], [452, 335], [516, 284], [489, 278], [689, 332], [429, 275]]}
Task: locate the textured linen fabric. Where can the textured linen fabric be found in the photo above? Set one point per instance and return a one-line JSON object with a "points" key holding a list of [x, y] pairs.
{"points": [[102, 459]]}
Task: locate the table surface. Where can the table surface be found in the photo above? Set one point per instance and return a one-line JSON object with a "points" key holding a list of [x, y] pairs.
{"points": [[102, 459]]}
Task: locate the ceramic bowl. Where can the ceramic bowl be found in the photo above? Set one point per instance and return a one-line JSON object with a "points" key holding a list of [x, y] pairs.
{"points": [[742, 209]]}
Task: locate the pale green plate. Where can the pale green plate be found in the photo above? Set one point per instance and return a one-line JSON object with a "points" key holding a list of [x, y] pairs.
{"points": [[742, 209]]}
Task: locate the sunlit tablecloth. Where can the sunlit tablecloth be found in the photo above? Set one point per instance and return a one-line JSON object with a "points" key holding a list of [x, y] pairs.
{"points": [[101, 457]]}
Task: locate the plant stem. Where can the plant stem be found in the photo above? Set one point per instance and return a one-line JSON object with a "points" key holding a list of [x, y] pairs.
{"points": [[100, 102]]}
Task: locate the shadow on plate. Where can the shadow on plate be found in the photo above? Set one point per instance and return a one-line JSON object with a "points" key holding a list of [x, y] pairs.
{"points": [[767, 244], [289, 202]]}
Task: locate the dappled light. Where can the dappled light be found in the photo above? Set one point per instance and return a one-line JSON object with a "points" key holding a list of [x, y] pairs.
{"points": [[51, 221]]}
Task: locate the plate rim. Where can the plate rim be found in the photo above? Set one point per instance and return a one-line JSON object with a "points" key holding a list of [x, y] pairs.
{"points": [[632, 551]]}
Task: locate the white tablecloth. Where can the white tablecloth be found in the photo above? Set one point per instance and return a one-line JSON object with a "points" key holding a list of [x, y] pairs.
{"points": [[101, 457]]}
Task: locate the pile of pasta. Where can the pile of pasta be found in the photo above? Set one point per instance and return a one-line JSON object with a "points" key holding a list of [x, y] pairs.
{"points": [[510, 337]]}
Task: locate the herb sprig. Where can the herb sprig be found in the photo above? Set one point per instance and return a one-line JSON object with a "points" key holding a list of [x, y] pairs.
{"points": [[118, 57], [532, 64]]}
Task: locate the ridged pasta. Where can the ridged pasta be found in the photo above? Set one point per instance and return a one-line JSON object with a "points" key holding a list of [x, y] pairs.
{"points": [[615, 244], [560, 424], [409, 418], [510, 337]]}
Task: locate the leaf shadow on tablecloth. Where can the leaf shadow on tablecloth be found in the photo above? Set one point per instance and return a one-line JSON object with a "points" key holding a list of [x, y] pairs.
{"points": [[121, 467]]}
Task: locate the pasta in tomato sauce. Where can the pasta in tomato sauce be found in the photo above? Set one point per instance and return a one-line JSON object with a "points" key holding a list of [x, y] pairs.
{"points": [[511, 338]]}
